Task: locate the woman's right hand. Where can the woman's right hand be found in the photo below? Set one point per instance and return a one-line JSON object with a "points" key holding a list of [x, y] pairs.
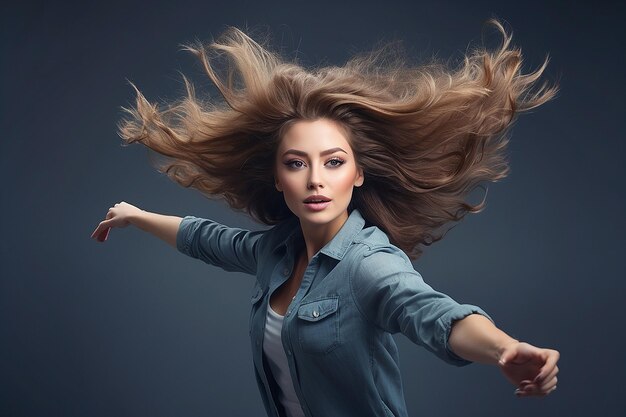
{"points": [[118, 216]]}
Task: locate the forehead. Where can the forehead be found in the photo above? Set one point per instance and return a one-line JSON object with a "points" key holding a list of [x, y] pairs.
{"points": [[314, 136]]}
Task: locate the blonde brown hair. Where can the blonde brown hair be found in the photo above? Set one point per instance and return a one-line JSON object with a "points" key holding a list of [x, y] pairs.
{"points": [[424, 135]]}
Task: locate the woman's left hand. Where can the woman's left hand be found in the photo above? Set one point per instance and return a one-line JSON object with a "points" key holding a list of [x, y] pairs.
{"points": [[533, 370]]}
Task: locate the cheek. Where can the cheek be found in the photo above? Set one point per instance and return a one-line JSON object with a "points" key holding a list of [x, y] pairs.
{"points": [[290, 184], [344, 181]]}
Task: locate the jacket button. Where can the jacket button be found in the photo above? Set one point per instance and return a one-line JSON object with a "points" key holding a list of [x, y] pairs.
{"points": [[316, 313]]}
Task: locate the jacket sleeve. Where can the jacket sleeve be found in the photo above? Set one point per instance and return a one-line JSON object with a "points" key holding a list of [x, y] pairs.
{"points": [[229, 248], [393, 296]]}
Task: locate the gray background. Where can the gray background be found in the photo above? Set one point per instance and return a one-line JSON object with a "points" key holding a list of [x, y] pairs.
{"points": [[133, 328]]}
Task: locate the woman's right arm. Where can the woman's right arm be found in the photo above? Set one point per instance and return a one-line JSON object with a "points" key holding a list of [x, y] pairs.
{"points": [[229, 248], [122, 214]]}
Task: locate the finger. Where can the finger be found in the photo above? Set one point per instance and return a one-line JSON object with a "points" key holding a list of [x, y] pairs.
{"points": [[530, 394], [548, 367], [104, 234], [97, 230], [521, 393], [547, 386], [537, 390], [550, 376], [111, 211], [529, 391], [528, 388], [102, 231]]}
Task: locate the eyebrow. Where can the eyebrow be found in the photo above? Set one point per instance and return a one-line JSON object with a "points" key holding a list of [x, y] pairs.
{"points": [[326, 152]]}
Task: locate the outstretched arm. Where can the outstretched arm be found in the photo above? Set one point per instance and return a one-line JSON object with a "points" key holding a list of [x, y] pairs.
{"points": [[533, 370], [122, 214]]}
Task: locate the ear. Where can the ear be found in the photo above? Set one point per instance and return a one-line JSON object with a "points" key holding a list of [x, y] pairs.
{"points": [[360, 179], [278, 186]]}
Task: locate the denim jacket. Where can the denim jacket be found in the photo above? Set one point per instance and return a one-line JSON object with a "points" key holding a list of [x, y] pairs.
{"points": [[356, 292]]}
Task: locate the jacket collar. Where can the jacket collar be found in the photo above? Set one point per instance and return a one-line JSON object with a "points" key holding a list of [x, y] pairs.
{"points": [[339, 244]]}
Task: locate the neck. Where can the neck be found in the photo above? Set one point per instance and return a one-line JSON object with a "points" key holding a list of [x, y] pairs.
{"points": [[316, 236]]}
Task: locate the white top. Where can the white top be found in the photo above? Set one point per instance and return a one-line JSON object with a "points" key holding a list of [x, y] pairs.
{"points": [[275, 354]]}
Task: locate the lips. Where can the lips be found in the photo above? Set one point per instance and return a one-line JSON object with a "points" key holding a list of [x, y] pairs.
{"points": [[316, 199]]}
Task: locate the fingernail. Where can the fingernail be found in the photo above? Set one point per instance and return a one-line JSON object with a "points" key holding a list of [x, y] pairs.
{"points": [[517, 392]]}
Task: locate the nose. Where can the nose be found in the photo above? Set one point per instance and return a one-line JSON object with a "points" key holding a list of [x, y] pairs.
{"points": [[314, 185], [314, 180]]}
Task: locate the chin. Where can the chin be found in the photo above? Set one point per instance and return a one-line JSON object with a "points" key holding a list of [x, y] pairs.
{"points": [[320, 217]]}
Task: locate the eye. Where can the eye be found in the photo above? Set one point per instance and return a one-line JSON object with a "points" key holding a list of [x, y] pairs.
{"points": [[294, 163], [335, 162]]}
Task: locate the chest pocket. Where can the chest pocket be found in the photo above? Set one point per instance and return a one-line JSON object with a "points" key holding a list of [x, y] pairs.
{"points": [[318, 325]]}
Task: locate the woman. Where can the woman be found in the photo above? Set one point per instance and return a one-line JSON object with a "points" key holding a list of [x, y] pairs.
{"points": [[356, 167]]}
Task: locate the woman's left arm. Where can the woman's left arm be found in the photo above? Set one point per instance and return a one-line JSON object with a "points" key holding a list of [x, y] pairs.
{"points": [[533, 370]]}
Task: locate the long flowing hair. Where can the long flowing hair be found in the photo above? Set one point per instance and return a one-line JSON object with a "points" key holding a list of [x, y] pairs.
{"points": [[425, 135]]}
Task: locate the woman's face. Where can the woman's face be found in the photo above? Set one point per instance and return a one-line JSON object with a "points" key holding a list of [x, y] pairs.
{"points": [[316, 172]]}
